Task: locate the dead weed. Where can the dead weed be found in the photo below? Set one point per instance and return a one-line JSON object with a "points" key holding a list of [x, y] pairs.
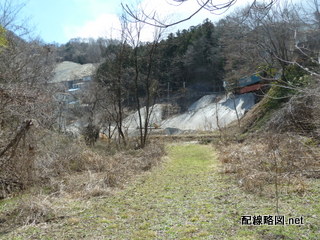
{"points": [[35, 210], [257, 163], [101, 173]]}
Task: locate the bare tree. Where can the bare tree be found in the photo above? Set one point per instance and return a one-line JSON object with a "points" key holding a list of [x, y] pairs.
{"points": [[113, 78], [153, 19], [128, 74], [260, 41], [143, 80], [9, 11], [25, 102]]}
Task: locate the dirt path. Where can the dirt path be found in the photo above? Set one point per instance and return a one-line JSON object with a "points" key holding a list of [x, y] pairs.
{"points": [[185, 198]]}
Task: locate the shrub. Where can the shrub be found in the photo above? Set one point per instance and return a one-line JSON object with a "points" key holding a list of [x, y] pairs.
{"points": [[91, 134]]}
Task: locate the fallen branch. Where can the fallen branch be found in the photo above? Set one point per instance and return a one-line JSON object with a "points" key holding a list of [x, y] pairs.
{"points": [[16, 140]]}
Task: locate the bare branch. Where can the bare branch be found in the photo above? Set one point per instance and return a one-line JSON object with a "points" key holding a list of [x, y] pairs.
{"points": [[209, 5]]}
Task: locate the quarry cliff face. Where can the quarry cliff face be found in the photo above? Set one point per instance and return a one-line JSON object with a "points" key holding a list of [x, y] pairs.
{"points": [[205, 114], [68, 71]]}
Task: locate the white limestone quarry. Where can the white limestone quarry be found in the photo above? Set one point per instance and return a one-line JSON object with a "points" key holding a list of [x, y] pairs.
{"points": [[209, 112], [68, 71], [132, 121], [205, 114]]}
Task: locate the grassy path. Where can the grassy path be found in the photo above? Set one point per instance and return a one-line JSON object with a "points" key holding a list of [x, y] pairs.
{"points": [[186, 198]]}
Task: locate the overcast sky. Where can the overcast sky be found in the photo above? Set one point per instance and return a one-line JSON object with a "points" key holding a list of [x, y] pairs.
{"points": [[60, 20]]}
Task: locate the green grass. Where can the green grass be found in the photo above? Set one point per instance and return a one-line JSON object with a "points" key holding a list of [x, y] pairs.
{"points": [[185, 198]]}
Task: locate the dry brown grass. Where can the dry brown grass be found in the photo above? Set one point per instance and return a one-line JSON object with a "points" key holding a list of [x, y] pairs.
{"points": [[60, 164], [300, 115], [280, 147], [72, 170], [259, 161], [35, 210], [81, 171]]}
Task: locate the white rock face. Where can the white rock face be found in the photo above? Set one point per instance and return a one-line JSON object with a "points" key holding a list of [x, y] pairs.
{"points": [[204, 114], [132, 121], [202, 102], [208, 112], [67, 71]]}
